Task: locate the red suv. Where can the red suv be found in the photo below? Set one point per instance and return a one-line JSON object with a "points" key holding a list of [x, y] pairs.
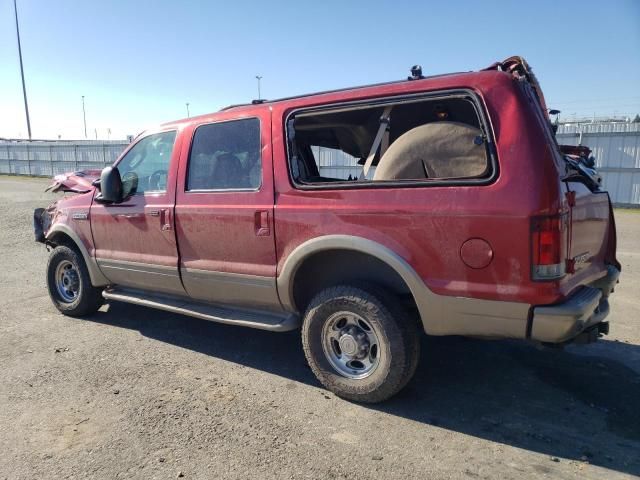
{"points": [[364, 215]]}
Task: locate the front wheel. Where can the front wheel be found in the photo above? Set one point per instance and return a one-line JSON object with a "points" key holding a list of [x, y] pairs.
{"points": [[360, 343], [69, 283]]}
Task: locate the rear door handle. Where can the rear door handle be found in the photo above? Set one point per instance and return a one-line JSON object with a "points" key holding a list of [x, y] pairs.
{"points": [[165, 219], [154, 213], [261, 223]]}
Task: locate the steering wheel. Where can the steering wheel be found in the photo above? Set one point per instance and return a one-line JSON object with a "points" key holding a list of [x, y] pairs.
{"points": [[155, 177]]}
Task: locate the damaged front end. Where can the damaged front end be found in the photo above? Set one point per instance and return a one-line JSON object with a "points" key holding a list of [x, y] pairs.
{"points": [[42, 222], [77, 183]]}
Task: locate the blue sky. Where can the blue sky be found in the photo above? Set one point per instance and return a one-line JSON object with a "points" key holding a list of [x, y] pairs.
{"points": [[139, 62]]}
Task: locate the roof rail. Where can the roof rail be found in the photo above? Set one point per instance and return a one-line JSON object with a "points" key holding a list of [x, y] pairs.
{"points": [[253, 102], [229, 107], [418, 76]]}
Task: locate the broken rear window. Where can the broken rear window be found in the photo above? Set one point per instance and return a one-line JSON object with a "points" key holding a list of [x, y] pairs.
{"points": [[417, 140]]}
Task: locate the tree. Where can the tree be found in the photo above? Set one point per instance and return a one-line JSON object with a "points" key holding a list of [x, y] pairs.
{"points": [[636, 119]]}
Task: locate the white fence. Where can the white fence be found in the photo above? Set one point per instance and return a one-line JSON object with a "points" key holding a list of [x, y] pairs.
{"points": [[46, 158], [616, 147]]}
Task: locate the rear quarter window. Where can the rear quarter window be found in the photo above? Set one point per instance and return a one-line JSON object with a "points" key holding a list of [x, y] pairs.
{"points": [[431, 140]]}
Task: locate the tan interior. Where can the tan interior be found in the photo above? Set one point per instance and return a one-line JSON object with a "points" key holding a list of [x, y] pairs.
{"points": [[435, 150]]}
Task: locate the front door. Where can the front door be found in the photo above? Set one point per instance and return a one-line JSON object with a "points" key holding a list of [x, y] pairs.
{"points": [[224, 213], [135, 240]]}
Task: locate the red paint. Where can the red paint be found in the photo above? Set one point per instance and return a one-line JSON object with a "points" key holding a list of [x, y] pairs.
{"points": [[217, 230], [476, 253], [130, 231], [254, 232]]}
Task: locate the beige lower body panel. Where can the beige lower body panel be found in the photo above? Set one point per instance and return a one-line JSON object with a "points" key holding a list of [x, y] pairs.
{"points": [[231, 288], [444, 315], [440, 314], [145, 276]]}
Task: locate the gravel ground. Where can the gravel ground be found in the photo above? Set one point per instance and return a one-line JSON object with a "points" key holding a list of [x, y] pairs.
{"points": [[137, 393]]}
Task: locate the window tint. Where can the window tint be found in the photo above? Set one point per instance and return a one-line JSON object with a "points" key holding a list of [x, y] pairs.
{"points": [[145, 167], [226, 156]]}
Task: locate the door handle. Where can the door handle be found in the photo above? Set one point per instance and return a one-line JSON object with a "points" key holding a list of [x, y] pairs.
{"points": [[261, 223], [165, 219], [164, 216]]}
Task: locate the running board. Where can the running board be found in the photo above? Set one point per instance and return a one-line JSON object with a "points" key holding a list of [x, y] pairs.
{"points": [[263, 320]]}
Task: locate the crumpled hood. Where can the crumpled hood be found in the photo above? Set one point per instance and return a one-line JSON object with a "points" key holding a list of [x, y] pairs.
{"points": [[76, 182]]}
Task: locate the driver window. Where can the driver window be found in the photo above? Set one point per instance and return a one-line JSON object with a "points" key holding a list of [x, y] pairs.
{"points": [[145, 167]]}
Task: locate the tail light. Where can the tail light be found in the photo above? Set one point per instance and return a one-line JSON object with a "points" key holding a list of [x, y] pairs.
{"points": [[549, 246]]}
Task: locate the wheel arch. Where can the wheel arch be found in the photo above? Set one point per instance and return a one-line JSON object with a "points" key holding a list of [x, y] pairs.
{"points": [[383, 266], [60, 234]]}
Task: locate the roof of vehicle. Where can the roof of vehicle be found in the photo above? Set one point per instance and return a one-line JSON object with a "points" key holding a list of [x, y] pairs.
{"points": [[267, 102], [336, 90], [462, 79]]}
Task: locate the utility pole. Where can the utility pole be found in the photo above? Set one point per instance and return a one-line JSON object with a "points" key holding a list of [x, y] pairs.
{"points": [[188, 115], [258, 77], [24, 88], [84, 117]]}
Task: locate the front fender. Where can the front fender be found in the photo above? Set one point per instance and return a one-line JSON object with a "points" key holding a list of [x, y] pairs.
{"points": [[97, 278]]}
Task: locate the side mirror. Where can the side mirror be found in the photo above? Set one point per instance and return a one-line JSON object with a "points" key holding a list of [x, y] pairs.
{"points": [[110, 186]]}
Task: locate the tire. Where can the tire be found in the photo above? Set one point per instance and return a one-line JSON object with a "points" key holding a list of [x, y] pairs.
{"points": [[74, 296], [377, 373]]}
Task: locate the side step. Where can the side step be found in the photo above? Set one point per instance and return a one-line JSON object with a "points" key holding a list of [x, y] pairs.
{"points": [[263, 320]]}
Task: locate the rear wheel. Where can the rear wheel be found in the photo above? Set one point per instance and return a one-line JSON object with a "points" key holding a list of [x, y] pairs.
{"points": [[360, 343], [69, 283]]}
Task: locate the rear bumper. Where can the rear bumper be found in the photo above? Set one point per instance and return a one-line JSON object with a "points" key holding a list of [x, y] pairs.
{"points": [[584, 309]]}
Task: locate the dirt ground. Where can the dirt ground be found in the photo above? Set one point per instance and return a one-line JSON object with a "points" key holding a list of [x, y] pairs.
{"points": [[137, 393]]}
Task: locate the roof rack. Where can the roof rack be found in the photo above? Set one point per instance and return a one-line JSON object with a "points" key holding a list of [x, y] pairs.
{"points": [[253, 102], [417, 75], [229, 107]]}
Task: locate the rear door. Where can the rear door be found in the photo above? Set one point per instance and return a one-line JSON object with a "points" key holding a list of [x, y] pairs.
{"points": [[589, 229], [135, 240], [590, 226], [224, 213]]}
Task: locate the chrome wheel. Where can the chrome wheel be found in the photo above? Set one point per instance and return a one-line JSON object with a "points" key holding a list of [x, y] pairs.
{"points": [[351, 345], [67, 281]]}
